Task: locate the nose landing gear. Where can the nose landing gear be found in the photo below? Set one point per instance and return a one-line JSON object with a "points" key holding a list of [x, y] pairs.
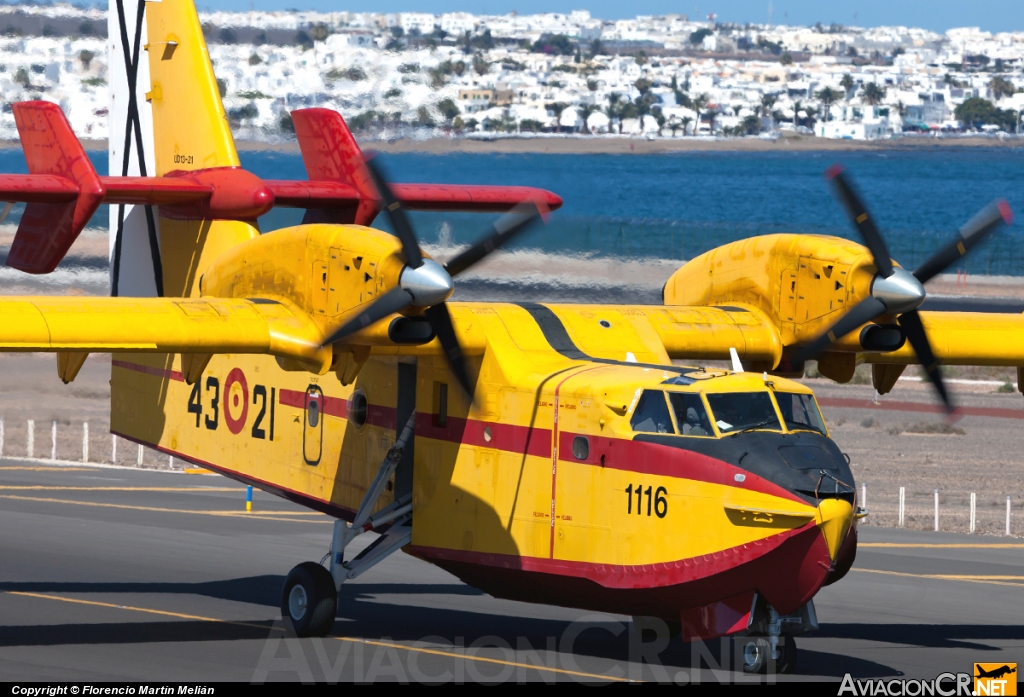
{"points": [[768, 645], [757, 658]]}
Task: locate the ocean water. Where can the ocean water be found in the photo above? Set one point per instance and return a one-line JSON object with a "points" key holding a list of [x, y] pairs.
{"points": [[678, 205]]}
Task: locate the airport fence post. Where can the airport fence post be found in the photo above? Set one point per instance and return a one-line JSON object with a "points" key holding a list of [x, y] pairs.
{"points": [[140, 456], [1008, 513], [85, 441], [30, 445], [53, 440], [936, 510], [113, 449], [248, 499], [974, 508], [903, 492], [1, 436]]}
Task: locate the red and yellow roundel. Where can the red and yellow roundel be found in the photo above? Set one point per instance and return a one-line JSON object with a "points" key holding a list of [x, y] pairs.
{"points": [[236, 400]]}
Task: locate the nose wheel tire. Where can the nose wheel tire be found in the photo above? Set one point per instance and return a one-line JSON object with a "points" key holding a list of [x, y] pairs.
{"points": [[309, 600], [755, 655]]}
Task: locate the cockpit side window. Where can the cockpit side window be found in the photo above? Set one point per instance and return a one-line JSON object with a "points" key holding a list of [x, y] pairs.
{"points": [[651, 414], [800, 411], [691, 416]]}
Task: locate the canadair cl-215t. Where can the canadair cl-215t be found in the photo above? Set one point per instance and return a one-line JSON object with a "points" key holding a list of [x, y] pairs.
{"points": [[569, 454]]}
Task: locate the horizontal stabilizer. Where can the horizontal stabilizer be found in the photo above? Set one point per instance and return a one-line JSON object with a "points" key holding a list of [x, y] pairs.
{"points": [[52, 219], [331, 154], [63, 189]]}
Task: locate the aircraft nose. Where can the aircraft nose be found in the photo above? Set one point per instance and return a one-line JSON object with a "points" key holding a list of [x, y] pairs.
{"points": [[834, 517]]}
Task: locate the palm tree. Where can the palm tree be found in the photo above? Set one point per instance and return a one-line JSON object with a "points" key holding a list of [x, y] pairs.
{"points": [[585, 110], [847, 82], [699, 102], [999, 86], [711, 121], [613, 104], [873, 94], [828, 96], [811, 113], [612, 110], [767, 102], [685, 121]]}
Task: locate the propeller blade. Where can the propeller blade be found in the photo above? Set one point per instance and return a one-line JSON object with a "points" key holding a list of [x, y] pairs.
{"points": [[391, 302], [918, 338], [396, 214], [441, 321], [861, 313], [973, 233], [865, 225], [505, 229]]}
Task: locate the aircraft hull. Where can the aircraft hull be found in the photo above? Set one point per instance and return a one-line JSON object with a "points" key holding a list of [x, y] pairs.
{"points": [[712, 595]]}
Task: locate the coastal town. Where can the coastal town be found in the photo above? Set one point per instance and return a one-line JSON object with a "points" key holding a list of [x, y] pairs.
{"points": [[655, 77]]}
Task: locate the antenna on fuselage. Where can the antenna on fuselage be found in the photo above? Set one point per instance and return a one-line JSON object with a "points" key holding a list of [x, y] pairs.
{"points": [[737, 367]]}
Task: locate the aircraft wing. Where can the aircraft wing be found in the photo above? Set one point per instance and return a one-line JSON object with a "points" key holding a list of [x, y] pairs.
{"points": [[966, 338], [161, 325]]}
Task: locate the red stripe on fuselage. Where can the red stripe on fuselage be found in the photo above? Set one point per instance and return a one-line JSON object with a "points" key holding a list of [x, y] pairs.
{"points": [[332, 406], [149, 370], [618, 453], [505, 437], [667, 461]]}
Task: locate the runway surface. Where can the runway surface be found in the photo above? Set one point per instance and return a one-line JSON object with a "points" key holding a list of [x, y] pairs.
{"points": [[118, 574]]}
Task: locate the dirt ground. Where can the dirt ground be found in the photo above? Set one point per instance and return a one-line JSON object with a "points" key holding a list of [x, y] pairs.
{"points": [[919, 451]]}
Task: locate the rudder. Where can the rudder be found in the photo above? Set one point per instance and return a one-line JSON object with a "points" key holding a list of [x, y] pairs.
{"points": [[190, 127]]}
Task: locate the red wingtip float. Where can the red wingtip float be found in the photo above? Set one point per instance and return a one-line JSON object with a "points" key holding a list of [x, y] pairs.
{"points": [[63, 190]]}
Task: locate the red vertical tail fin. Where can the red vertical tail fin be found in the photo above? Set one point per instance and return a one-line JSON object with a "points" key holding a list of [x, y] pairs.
{"points": [[48, 230], [330, 153]]}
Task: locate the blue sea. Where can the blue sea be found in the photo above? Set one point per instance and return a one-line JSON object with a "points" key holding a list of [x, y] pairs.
{"points": [[678, 205]]}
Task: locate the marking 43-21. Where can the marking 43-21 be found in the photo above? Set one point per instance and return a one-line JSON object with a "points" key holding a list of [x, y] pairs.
{"points": [[207, 402]]}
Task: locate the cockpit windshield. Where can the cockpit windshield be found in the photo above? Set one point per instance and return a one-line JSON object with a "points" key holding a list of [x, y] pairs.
{"points": [[800, 412], [743, 411], [691, 416]]}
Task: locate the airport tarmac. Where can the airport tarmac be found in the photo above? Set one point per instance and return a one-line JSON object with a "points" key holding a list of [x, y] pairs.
{"points": [[130, 575]]}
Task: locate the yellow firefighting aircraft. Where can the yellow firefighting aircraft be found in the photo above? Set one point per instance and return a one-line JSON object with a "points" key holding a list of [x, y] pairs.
{"points": [[550, 453]]}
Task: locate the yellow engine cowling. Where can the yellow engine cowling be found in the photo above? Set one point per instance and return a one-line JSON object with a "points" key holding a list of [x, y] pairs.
{"points": [[327, 270], [804, 283]]}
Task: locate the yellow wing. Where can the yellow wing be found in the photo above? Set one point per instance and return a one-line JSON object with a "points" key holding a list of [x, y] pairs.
{"points": [[162, 325]]}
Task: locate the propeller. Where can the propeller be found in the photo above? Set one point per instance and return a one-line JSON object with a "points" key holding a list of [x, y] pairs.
{"points": [[423, 283], [896, 291]]}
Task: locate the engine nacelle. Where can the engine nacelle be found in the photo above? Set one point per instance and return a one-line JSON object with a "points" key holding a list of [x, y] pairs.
{"points": [[804, 283], [327, 270]]}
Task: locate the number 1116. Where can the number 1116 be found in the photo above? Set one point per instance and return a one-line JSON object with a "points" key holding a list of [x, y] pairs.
{"points": [[659, 500]]}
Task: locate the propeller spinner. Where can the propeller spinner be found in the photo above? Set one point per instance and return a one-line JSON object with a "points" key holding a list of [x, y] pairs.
{"points": [[424, 283], [896, 291]]}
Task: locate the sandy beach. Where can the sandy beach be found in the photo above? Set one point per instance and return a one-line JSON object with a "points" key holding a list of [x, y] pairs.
{"points": [[622, 145]]}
